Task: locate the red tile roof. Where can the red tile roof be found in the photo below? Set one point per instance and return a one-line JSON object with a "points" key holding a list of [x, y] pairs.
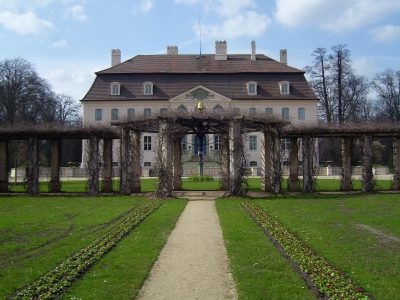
{"points": [[182, 63], [172, 75]]}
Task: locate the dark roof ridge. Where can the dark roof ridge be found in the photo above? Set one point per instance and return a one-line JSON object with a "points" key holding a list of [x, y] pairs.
{"points": [[196, 63]]}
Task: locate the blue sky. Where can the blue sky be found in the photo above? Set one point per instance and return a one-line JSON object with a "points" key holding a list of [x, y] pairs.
{"points": [[68, 40]]}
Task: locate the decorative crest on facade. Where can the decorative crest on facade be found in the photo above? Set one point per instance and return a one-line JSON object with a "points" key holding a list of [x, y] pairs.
{"points": [[200, 94]]}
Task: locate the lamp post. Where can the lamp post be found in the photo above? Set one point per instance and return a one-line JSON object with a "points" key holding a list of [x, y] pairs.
{"points": [[200, 135]]}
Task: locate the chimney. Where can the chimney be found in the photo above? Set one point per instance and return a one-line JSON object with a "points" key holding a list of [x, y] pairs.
{"points": [[172, 50], [220, 50], [115, 57], [283, 56], [253, 50]]}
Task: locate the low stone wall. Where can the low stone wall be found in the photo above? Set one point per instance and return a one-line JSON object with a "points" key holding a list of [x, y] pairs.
{"points": [[149, 172]]}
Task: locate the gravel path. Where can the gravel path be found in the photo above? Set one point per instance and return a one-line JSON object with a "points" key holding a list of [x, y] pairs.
{"points": [[193, 263]]}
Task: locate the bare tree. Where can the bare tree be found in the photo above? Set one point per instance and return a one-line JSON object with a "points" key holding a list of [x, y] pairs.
{"points": [[20, 85], [340, 68], [321, 82], [355, 90], [67, 110], [387, 86]]}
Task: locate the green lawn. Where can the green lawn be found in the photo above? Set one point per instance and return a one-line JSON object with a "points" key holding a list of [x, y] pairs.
{"points": [[359, 234], [149, 184], [260, 272], [121, 273], [37, 233]]}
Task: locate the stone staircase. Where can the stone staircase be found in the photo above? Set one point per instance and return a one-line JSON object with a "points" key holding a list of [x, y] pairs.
{"points": [[199, 195]]}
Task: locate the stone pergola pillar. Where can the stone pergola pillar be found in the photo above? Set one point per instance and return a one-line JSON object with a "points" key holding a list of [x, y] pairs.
{"points": [[93, 165], [165, 185], [276, 174], [125, 166], [235, 158], [135, 163], [367, 176], [55, 185], [224, 162], [346, 167], [266, 162], [107, 166], [396, 162], [3, 167], [33, 166], [308, 164], [294, 166], [177, 182]]}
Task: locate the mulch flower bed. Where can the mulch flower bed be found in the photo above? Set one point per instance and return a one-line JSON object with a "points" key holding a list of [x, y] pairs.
{"points": [[56, 280], [330, 281]]}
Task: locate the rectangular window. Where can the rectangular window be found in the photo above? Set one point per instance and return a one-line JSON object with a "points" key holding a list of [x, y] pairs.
{"points": [[252, 89], [285, 144], [114, 114], [131, 112], [217, 142], [148, 89], [252, 110], [147, 143], [98, 115], [184, 143], [253, 142], [115, 89], [285, 113], [147, 112], [302, 113], [269, 111]]}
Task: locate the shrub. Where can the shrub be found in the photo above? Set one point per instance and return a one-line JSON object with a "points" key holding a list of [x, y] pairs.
{"points": [[197, 178]]}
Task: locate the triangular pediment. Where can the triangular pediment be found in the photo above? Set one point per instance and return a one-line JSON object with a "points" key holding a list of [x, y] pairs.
{"points": [[199, 93]]}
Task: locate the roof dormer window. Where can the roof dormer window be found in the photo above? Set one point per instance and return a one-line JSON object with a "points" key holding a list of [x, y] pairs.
{"points": [[251, 88], [148, 88], [115, 88], [284, 87]]}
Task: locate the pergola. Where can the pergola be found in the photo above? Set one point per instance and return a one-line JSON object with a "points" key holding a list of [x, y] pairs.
{"points": [[55, 134], [171, 126]]}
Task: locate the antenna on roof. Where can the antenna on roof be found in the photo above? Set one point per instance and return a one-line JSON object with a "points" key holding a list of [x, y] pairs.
{"points": [[200, 32]]}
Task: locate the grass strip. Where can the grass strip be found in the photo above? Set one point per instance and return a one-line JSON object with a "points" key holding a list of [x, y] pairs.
{"points": [[329, 280], [121, 273], [259, 270], [62, 276]]}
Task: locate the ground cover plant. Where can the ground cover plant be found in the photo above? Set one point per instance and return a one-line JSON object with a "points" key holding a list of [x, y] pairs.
{"points": [[121, 273], [37, 233], [260, 272], [329, 280], [48, 285], [358, 234]]}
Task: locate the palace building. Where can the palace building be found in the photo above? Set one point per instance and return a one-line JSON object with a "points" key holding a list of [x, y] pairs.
{"points": [[149, 84]]}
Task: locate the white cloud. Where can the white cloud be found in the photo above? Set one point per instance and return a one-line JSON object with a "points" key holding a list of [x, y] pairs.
{"points": [[238, 18], [60, 44], [28, 5], [247, 24], [27, 23], [233, 7], [366, 66], [73, 78], [76, 12], [334, 15], [143, 7], [386, 34]]}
